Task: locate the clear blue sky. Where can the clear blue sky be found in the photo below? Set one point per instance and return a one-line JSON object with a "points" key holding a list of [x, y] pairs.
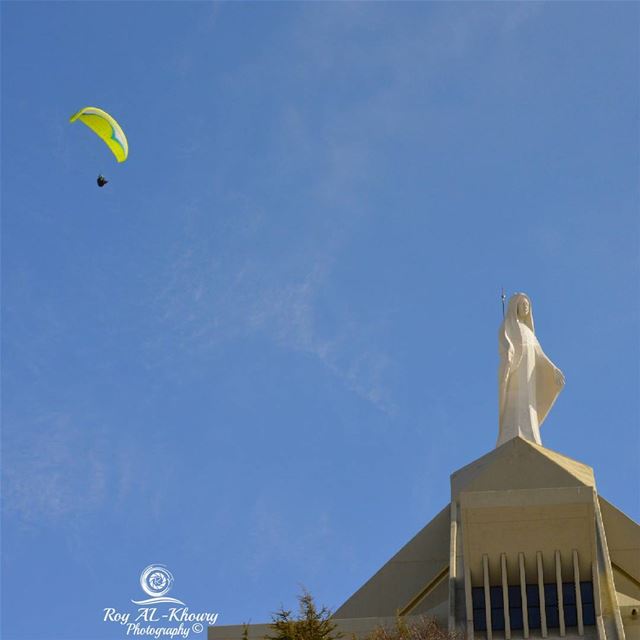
{"points": [[257, 355]]}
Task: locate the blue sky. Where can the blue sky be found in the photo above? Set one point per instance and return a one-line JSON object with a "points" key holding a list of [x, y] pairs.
{"points": [[257, 355]]}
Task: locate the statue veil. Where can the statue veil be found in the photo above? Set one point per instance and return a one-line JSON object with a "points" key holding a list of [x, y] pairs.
{"points": [[510, 330]]}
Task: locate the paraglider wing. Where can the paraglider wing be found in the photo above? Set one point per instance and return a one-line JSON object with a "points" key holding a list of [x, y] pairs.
{"points": [[106, 127]]}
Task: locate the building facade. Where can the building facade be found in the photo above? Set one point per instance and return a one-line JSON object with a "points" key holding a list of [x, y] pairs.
{"points": [[526, 548]]}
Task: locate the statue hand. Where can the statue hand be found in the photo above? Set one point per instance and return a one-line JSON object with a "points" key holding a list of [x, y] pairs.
{"points": [[559, 378]]}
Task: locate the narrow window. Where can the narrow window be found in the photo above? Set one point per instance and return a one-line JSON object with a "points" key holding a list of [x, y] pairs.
{"points": [[533, 606], [588, 608], [515, 608], [479, 617], [569, 604], [497, 609], [551, 606]]}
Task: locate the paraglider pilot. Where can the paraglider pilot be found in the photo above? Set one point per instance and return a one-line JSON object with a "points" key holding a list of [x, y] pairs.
{"points": [[101, 180]]}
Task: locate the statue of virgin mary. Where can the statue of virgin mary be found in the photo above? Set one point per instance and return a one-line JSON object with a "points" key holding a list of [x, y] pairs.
{"points": [[528, 382]]}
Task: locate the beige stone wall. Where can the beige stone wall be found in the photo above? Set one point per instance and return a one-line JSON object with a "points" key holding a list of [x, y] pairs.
{"points": [[405, 576]]}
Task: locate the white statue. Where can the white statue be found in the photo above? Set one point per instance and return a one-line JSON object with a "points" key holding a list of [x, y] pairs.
{"points": [[528, 381]]}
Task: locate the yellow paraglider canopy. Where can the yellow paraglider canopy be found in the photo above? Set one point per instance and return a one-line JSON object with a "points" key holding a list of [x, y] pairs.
{"points": [[106, 127]]}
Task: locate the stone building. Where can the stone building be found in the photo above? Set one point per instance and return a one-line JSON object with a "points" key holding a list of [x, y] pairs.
{"points": [[526, 548]]}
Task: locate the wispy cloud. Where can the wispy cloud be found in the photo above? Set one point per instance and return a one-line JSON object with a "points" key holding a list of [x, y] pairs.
{"points": [[205, 303], [58, 467], [331, 160], [55, 469]]}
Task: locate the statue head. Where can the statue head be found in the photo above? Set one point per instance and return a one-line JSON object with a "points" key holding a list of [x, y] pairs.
{"points": [[519, 310], [524, 307], [519, 313]]}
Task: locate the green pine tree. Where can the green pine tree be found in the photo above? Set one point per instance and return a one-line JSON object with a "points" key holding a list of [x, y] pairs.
{"points": [[311, 623], [282, 626], [314, 624]]}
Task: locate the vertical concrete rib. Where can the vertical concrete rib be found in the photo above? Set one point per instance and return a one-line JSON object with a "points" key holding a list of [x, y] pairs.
{"points": [[505, 596], [468, 602], [610, 588], [597, 605], [487, 594], [576, 581], [560, 597], [523, 595], [543, 612], [453, 533]]}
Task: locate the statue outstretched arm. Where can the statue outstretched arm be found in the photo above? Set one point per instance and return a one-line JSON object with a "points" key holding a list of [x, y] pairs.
{"points": [[549, 383]]}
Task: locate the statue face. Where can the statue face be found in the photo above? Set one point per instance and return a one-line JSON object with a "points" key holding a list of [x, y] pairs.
{"points": [[523, 308]]}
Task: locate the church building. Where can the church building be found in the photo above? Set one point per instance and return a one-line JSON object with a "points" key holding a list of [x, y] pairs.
{"points": [[526, 548]]}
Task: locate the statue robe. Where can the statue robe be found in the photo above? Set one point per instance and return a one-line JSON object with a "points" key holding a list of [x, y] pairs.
{"points": [[528, 382]]}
